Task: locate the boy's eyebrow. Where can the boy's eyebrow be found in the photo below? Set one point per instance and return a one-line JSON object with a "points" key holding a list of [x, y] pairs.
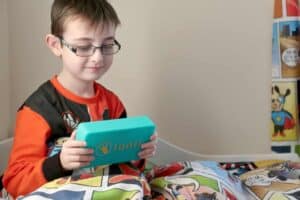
{"points": [[109, 38], [83, 39], [90, 39]]}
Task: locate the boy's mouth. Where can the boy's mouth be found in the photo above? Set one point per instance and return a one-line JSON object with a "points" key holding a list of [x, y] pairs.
{"points": [[95, 67]]}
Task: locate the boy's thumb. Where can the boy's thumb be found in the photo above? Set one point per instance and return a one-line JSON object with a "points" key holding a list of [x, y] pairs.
{"points": [[73, 135]]}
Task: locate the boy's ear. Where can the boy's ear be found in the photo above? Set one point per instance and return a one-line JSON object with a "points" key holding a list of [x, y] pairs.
{"points": [[54, 44]]}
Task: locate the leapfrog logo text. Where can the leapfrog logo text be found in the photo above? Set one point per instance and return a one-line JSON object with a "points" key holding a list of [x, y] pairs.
{"points": [[127, 146], [103, 149], [107, 148]]}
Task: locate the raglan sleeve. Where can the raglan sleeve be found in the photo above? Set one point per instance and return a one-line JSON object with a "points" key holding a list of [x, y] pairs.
{"points": [[28, 156]]}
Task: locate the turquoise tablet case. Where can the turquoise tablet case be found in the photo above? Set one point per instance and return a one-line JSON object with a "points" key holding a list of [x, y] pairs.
{"points": [[116, 140]]}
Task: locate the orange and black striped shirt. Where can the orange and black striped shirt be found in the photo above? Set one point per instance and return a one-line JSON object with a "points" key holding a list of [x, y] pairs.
{"points": [[51, 112]]}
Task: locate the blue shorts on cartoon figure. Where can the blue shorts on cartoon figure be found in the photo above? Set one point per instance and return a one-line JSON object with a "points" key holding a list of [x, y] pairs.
{"points": [[116, 140]]}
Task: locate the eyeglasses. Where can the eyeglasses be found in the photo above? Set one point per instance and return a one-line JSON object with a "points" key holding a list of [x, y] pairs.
{"points": [[89, 50]]}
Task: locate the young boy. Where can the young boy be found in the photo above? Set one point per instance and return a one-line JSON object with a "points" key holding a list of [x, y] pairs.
{"points": [[83, 37]]}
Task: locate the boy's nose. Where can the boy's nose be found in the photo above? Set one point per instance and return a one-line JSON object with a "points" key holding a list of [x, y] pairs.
{"points": [[97, 56]]}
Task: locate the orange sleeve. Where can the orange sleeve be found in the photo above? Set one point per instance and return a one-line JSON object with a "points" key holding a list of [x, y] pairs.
{"points": [[24, 172]]}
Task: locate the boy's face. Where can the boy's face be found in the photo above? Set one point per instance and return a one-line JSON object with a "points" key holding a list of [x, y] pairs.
{"points": [[79, 33]]}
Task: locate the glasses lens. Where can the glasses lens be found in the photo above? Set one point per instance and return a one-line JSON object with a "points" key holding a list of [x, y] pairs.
{"points": [[85, 51], [109, 49]]}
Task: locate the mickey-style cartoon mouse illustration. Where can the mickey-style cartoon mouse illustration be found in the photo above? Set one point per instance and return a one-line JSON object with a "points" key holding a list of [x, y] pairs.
{"points": [[281, 118]]}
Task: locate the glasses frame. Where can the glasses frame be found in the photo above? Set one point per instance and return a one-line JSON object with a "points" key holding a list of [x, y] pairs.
{"points": [[74, 48]]}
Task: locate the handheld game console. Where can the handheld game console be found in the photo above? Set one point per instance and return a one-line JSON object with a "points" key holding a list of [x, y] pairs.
{"points": [[116, 140]]}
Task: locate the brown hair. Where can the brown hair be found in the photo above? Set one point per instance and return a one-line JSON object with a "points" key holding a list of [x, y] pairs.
{"points": [[96, 11]]}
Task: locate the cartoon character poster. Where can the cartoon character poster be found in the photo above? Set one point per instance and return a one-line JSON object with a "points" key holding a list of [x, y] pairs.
{"points": [[284, 111], [286, 8], [276, 60], [289, 43], [286, 39], [292, 8]]}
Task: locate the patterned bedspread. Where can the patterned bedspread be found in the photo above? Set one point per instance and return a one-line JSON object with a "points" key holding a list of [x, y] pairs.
{"points": [[180, 180], [199, 180]]}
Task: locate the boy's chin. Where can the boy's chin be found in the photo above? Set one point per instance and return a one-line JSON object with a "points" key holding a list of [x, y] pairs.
{"points": [[92, 77]]}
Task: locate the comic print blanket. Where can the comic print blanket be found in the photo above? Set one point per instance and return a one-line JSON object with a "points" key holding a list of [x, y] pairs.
{"points": [[204, 180], [275, 182], [239, 168], [120, 181]]}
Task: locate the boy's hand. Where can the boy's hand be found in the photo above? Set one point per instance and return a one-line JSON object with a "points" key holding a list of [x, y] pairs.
{"points": [[74, 155], [149, 148]]}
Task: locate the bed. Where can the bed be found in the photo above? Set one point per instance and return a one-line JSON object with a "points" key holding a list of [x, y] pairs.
{"points": [[5, 146], [173, 173], [169, 152]]}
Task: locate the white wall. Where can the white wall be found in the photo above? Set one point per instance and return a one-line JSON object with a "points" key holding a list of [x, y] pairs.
{"points": [[5, 116], [31, 61], [200, 69]]}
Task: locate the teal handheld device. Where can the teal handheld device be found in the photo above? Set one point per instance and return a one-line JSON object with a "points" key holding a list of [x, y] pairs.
{"points": [[115, 140]]}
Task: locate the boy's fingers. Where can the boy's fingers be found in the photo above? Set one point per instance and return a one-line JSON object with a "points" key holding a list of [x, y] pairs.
{"points": [[147, 153], [154, 136], [73, 135], [83, 151], [75, 144], [82, 158], [148, 150], [148, 145]]}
